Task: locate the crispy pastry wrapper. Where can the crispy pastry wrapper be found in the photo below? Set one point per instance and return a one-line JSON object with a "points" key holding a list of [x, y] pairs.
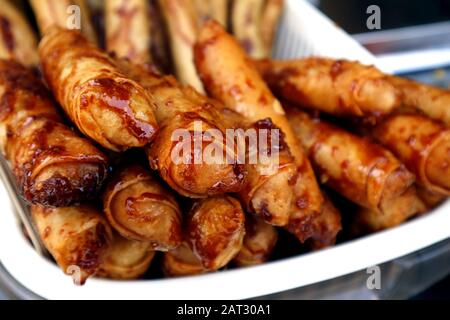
{"points": [[259, 241], [269, 22], [17, 38], [326, 226], [338, 87], [181, 262], [128, 29], [182, 109], [357, 168], [215, 230], [247, 26], [394, 212], [430, 199], [229, 76], [141, 209], [52, 164], [422, 144], [103, 103], [181, 21], [77, 237], [126, 259], [64, 14]]}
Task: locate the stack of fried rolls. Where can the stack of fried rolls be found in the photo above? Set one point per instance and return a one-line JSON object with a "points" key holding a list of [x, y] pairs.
{"points": [[96, 139]]}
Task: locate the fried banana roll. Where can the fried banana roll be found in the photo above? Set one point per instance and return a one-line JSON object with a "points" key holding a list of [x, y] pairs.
{"points": [[336, 87], [141, 209], [431, 101], [52, 164], [181, 21], [360, 170], [71, 14], [77, 237], [215, 230], [105, 105], [423, 145], [212, 9], [181, 262], [246, 19], [126, 259], [184, 117], [259, 241], [269, 22], [395, 211], [17, 39], [127, 27], [230, 77], [326, 226]]}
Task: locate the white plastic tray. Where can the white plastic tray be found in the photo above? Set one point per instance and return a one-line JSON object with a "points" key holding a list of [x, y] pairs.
{"points": [[46, 280]]}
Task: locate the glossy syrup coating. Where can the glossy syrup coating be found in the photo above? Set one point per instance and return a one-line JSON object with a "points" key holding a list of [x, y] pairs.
{"points": [[215, 230], [141, 209], [103, 103], [182, 108], [78, 238], [230, 76], [52, 164]]}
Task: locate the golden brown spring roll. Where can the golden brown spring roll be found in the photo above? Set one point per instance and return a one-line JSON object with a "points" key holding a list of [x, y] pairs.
{"points": [[338, 87], [215, 230], [326, 226], [259, 241], [423, 145], [395, 211], [77, 237], [71, 14], [126, 259], [212, 9], [52, 164], [430, 199], [229, 76], [431, 101], [141, 209], [246, 20], [106, 106], [17, 39], [360, 170], [181, 21], [181, 262], [269, 22], [127, 28], [181, 108]]}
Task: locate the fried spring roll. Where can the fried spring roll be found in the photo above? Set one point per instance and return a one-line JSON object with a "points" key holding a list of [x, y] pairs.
{"points": [[423, 145], [395, 211], [126, 259], [127, 27], [431, 101], [326, 227], [269, 22], [337, 87], [215, 230], [52, 164], [17, 39], [180, 108], [230, 77], [430, 199], [181, 262], [106, 106], [77, 237], [141, 209], [212, 9], [360, 170], [63, 14], [259, 241], [181, 21], [246, 18]]}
